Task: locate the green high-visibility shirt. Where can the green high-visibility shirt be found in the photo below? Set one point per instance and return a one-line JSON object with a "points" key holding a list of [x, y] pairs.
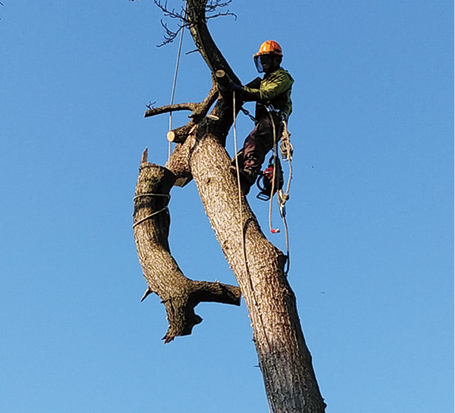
{"points": [[275, 89]]}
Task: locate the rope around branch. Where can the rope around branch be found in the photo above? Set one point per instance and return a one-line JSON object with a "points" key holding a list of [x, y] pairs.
{"points": [[154, 213]]}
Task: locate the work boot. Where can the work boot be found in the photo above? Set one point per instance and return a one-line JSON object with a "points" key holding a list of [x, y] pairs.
{"points": [[238, 158], [247, 178]]}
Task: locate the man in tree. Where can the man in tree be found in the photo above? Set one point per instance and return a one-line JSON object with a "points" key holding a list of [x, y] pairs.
{"points": [[273, 106], [258, 265]]}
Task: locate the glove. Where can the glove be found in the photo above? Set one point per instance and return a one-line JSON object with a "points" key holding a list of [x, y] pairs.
{"points": [[234, 87]]}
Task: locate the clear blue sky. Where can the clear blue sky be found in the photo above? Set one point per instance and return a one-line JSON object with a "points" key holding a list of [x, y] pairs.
{"points": [[370, 214]]}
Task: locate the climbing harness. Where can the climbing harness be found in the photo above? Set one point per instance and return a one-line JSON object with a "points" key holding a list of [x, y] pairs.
{"points": [[165, 208], [247, 113]]}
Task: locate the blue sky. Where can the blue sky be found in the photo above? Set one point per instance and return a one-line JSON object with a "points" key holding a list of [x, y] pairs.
{"points": [[370, 214]]}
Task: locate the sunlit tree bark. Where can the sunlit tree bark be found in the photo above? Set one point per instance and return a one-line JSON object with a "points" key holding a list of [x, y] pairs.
{"points": [[258, 265]]}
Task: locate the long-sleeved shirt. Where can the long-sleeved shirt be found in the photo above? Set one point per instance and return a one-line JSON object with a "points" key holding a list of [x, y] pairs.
{"points": [[274, 89]]}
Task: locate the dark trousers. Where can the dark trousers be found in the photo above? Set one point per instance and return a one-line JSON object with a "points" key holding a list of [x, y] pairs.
{"points": [[260, 141]]}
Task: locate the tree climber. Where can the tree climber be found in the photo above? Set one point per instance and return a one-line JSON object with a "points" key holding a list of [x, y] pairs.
{"points": [[272, 95]]}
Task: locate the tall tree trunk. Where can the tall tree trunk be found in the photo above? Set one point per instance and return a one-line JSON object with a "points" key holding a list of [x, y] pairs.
{"points": [[284, 358], [258, 266]]}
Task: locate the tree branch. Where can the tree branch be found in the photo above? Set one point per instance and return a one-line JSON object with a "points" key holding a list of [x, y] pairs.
{"points": [[179, 294], [284, 359], [199, 110], [170, 108]]}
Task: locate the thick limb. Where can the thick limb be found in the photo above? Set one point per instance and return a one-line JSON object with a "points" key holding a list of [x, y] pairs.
{"points": [[179, 294]]}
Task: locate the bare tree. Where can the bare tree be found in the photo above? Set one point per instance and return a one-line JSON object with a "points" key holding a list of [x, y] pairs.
{"points": [[258, 265]]}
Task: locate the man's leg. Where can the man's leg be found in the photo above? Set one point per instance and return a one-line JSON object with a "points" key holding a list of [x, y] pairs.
{"points": [[255, 148], [260, 141]]}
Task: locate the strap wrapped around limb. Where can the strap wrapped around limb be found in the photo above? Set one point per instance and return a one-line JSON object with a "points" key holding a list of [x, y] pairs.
{"points": [[151, 224]]}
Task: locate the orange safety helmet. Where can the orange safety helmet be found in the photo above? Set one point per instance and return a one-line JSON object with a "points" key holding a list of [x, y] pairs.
{"points": [[269, 47]]}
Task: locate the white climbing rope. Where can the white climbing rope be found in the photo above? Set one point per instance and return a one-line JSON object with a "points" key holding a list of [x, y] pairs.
{"points": [[239, 186], [234, 127], [174, 83], [151, 194], [286, 153], [273, 230]]}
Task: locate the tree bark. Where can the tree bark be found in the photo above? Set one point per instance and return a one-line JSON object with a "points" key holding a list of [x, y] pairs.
{"points": [[151, 230], [284, 358], [259, 268]]}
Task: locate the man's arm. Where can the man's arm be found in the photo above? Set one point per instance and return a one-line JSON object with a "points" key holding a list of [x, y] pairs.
{"points": [[267, 89], [277, 84]]}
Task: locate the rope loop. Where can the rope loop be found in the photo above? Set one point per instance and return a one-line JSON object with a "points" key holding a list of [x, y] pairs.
{"points": [[150, 216], [152, 194], [165, 208]]}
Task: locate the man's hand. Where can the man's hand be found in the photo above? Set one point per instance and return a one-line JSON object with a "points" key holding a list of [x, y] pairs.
{"points": [[234, 87]]}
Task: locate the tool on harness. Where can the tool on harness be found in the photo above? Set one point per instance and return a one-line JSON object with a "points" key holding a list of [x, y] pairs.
{"points": [[286, 148], [265, 180], [267, 184]]}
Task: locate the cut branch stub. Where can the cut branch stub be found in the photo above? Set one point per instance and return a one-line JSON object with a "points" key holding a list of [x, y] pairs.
{"points": [[222, 78], [178, 293], [179, 135]]}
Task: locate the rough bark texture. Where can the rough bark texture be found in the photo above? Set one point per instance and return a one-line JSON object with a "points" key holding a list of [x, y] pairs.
{"points": [[151, 229], [284, 358]]}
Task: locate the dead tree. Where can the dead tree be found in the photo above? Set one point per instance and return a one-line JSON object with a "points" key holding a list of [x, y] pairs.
{"points": [[258, 265]]}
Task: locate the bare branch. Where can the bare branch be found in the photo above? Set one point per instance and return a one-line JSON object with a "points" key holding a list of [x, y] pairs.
{"points": [[150, 105], [199, 109], [168, 13], [170, 34], [170, 108], [213, 5], [210, 7], [221, 15]]}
